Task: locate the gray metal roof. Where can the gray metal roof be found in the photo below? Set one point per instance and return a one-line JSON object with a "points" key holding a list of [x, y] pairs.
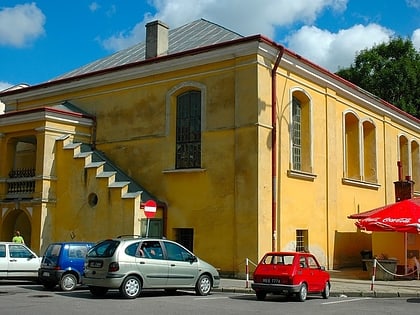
{"points": [[196, 34]]}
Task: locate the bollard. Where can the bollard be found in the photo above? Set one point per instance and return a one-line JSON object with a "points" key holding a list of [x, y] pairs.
{"points": [[247, 273], [373, 274]]}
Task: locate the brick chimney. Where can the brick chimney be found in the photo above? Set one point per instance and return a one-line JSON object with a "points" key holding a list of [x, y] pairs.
{"points": [[156, 39], [403, 189]]}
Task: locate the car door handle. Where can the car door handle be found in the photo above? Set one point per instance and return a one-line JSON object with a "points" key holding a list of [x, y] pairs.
{"points": [[173, 265], [13, 260]]}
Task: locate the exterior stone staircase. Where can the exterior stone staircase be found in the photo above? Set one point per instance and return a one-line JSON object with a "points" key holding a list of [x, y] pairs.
{"points": [[105, 169]]}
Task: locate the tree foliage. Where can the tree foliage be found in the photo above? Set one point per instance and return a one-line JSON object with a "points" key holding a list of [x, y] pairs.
{"points": [[390, 71]]}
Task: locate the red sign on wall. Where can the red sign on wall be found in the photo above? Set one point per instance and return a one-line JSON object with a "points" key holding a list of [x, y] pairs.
{"points": [[150, 208]]}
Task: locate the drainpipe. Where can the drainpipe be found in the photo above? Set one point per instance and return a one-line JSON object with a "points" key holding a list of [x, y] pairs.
{"points": [[274, 147]]}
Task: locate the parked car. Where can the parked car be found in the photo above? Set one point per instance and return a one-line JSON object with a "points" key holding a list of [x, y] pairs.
{"points": [[131, 264], [290, 273], [63, 264], [18, 262]]}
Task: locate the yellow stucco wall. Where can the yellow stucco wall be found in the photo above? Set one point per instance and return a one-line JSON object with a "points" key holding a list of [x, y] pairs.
{"points": [[228, 201]]}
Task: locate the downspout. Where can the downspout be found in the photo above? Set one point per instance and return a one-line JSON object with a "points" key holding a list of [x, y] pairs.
{"points": [[274, 147]]}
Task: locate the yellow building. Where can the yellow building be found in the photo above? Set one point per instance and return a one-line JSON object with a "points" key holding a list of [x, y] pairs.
{"points": [[245, 146]]}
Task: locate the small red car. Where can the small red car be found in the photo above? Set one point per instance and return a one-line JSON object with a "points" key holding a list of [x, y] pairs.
{"points": [[290, 273]]}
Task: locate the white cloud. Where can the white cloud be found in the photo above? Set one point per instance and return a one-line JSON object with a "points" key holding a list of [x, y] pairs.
{"points": [[413, 3], [336, 50], [4, 85], [21, 24], [94, 6], [245, 17], [416, 39]]}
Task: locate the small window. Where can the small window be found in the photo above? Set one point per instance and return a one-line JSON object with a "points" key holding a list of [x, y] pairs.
{"points": [[185, 237], [302, 240]]}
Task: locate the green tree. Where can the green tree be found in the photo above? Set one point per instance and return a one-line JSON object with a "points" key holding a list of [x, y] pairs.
{"points": [[390, 71]]}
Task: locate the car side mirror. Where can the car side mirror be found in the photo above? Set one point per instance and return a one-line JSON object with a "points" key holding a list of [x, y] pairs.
{"points": [[322, 268]]}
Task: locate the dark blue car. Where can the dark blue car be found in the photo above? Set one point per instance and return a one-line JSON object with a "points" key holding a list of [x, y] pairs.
{"points": [[63, 264]]}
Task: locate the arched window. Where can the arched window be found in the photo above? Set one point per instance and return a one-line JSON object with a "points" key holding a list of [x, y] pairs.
{"points": [[188, 130], [352, 147], [415, 165], [301, 135], [369, 152], [404, 156]]}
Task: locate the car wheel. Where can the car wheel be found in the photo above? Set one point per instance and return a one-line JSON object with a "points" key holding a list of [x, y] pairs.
{"points": [[98, 291], [49, 285], [68, 282], [203, 285], [261, 295], [131, 287], [326, 292], [303, 293]]}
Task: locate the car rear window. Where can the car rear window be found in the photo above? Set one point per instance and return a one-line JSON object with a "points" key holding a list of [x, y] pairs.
{"points": [[278, 259], [104, 249]]}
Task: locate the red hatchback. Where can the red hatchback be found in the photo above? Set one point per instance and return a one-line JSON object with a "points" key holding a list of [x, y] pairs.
{"points": [[290, 273]]}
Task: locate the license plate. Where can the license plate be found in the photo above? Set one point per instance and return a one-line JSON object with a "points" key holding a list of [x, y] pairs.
{"points": [[271, 281], [46, 274], [95, 264]]}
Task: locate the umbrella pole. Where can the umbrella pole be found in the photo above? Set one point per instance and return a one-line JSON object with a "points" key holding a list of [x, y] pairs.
{"points": [[405, 252]]}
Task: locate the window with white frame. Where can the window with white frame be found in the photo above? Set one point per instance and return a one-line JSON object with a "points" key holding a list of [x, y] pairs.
{"points": [[302, 241], [360, 150], [409, 156], [300, 133], [415, 162]]}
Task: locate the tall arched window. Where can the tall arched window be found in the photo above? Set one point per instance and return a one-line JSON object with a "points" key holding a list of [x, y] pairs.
{"points": [[352, 147], [301, 136], [415, 165], [404, 156], [188, 130], [369, 152]]}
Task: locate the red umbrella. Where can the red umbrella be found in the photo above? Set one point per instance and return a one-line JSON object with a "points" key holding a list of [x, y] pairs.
{"points": [[402, 216]]}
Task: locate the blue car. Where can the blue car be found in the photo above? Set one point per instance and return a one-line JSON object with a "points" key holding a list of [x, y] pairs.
{"points": [[63, 264]]}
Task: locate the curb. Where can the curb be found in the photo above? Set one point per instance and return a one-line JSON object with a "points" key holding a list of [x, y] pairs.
{"points": [[364, 294]]}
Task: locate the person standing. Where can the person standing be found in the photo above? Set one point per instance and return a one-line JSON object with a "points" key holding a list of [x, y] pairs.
{"points": [[18, 238]]}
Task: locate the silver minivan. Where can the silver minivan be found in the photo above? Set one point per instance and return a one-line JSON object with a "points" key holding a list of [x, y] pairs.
{"points": [[131, 264]]}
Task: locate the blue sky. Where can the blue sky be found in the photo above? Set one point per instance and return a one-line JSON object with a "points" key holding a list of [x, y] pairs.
{"points": [[40, 40]]}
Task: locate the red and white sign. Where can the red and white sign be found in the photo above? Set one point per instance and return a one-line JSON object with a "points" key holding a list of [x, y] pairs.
{"points": [[150, 208]]}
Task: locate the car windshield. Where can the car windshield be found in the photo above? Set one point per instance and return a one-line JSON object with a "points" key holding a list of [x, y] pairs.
{"points": [[280, 259], [104, 249]]}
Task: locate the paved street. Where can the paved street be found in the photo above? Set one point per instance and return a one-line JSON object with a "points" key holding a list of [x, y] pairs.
{"points": [[27, 298]]}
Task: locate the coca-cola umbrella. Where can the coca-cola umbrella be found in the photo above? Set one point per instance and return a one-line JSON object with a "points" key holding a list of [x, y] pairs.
{"points": [[402, 216]]}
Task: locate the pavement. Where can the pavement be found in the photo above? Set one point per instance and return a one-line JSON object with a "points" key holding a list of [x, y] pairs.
{"points": [[348, 282]]}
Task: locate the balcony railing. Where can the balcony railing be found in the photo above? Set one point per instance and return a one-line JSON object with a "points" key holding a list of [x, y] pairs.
{"points": [[21, 181]]}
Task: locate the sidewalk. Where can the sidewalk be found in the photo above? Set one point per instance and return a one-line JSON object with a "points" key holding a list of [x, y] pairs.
{"points": [[350, 282]]}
